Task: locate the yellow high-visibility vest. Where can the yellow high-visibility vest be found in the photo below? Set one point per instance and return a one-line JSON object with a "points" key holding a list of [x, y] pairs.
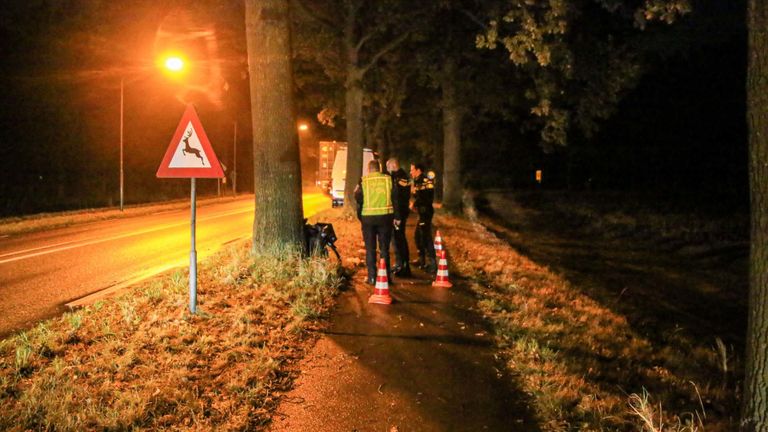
{"points": [[377, 198]]}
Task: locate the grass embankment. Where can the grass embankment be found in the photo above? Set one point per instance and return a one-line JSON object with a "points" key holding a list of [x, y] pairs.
{"points": [[584, 365], [142, 361], [615, 215]]}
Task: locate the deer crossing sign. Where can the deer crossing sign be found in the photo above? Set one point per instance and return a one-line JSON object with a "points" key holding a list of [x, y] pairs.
{"points": [[190, 154]]}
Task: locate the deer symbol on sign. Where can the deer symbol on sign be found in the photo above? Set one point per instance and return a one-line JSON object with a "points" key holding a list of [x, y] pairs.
{"points": [[189, 149]]}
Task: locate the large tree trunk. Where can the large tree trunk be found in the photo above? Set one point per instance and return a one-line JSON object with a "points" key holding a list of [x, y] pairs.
{"points": [[452, 189], [755, 410], [354, 113], [277, 175]]}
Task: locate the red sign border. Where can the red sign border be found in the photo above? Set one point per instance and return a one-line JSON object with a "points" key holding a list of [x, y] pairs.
{"points": [[214, 171]]}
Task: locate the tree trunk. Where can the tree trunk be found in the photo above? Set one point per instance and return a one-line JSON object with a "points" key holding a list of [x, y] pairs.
{"points": [[277, 175], [755, 409], [452, 189], [354, 113]]}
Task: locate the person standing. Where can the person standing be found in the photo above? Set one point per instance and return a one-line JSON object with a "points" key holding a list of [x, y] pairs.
{"points": [[378, 213], [402, 188], [424, 195]]}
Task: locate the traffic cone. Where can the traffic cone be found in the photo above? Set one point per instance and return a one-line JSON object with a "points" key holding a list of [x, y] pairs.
{"points": [[438, 243], [441, 281], [381, 290]]}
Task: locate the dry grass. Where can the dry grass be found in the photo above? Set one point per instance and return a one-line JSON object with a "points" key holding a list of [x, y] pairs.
{"points": [[583, 363], [141, 361], [621, 216]]}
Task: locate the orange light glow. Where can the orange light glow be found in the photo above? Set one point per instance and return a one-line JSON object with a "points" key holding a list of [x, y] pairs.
{"points": [[303, 127]]}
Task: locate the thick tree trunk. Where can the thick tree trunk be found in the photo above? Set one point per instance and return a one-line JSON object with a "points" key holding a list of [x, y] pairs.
{"points": [[755, 410], [277, 175], [354, 113], [353, 100], [452, 188]]}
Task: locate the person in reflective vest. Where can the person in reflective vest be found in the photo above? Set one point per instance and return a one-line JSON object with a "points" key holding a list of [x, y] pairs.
{"points": [[423, 196], [378, 213]]}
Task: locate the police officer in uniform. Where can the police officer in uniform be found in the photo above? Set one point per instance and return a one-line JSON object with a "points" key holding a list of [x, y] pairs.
{"points": [[378, 213], [424, 195], [403, 191]]}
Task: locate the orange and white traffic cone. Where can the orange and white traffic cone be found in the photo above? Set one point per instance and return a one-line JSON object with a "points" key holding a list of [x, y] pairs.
{"points": [[381, 290], [438, 243], [441, 280]]}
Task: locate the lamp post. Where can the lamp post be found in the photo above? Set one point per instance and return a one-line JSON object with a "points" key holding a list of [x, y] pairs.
{"points": [[173, 64], [234, 161], [122, 104]]}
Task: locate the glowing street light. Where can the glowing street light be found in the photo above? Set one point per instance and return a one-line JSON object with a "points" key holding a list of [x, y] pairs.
{"points": [[175, 64], [171, 63], [303, 127]]}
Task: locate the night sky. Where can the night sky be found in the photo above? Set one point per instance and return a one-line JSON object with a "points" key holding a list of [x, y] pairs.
{"points": [[679, 132]]}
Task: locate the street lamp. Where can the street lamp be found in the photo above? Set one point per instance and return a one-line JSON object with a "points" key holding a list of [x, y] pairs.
{"points": [[173, 64]]}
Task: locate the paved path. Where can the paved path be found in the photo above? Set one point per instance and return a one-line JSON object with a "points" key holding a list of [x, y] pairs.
{"points": [[424, 363]]}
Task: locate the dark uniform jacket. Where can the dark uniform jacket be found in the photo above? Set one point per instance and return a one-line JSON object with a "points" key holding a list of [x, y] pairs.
{"points": [[424, 195], [402, 189]]}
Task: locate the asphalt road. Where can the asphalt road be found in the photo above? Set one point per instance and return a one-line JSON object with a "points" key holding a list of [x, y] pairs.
{"points": [[42, 271]]}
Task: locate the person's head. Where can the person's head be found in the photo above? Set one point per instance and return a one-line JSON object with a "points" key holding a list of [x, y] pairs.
{"points": [[393, 165], [417, 169], [373, 166]]}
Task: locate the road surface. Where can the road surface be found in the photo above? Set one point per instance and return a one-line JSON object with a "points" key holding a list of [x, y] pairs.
{"points": [[41, 272]]}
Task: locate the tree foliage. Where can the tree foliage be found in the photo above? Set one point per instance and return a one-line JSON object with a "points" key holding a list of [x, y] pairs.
{"points": [[354, 35], [582, 56]]}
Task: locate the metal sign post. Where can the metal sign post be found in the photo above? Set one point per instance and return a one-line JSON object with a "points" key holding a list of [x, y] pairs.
{"points": [[190, 155], [193, 255]]}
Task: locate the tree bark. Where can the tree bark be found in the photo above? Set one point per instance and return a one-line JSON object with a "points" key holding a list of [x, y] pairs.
{"points": [[452, 188], [353, 108], [354, 113], [278, 216], [755, 409]]}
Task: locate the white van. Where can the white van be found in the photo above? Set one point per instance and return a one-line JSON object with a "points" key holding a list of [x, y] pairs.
{"points": [[339, 174]]}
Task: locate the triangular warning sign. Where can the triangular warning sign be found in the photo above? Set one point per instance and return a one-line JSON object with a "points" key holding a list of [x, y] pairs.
{"points": [[190, 153]]}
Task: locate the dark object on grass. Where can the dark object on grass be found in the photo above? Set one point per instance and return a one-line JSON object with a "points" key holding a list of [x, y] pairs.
{"points": [[318, 238]]}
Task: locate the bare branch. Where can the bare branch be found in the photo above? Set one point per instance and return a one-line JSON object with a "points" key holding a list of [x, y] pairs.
{"points": [[364, 39], [474, 18], [314, 15], [353, 7], [387, 48]]}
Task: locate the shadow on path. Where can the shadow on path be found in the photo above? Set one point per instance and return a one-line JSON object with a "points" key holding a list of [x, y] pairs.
{"points": [[425, 363]]}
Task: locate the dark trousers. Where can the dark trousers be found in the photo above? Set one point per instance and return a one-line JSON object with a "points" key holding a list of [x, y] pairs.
{"points": [[380, 232], [423, 238], [401, 245]]}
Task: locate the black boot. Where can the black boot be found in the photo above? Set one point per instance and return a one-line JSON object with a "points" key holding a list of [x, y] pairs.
{"points": [[431, 267], [404, 271]]}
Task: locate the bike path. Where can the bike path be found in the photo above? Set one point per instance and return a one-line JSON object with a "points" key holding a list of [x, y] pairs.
{"points": [[424, 363]]}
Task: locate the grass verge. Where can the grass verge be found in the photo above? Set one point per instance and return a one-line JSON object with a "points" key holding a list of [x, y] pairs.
{"points": [[585, 367], [141, 361]]}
